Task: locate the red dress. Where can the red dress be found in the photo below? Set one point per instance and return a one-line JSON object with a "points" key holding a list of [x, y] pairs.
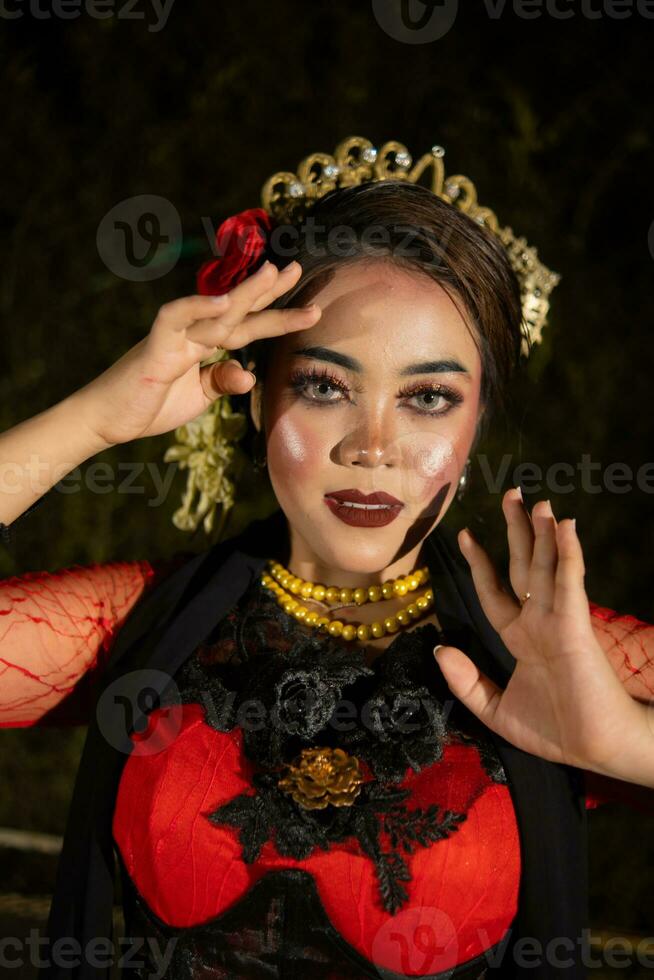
{"points": [[418, 873]]}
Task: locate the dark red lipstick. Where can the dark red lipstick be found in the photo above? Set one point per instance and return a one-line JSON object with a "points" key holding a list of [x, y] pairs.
{"points": [[363, 510]]}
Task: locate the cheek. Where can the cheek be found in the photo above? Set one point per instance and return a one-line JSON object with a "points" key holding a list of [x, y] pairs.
{"points": [[429, 460], [294, 447]]}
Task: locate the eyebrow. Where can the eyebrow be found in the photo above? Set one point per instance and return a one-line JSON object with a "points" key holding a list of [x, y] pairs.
{"points": [[441, 366]]}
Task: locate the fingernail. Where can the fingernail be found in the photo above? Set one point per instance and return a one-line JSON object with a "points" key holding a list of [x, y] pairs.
{"points": [[519, 489], [252, 376], [437, 647], [574, 523], [464, 542], [220, 300]]}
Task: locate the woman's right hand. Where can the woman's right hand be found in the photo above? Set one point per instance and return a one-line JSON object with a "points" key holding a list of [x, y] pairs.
{"points": [[159, 384]]}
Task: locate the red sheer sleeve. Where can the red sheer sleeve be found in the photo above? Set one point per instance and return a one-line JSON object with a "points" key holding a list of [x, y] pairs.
{"points": [[56, 630], [629, 645]]}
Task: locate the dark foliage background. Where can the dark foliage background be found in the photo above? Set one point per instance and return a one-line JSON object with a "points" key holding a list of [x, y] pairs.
{"points": [[552, 120]]}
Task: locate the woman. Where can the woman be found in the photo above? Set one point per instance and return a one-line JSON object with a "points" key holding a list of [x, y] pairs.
{"points": [[316, 795]]}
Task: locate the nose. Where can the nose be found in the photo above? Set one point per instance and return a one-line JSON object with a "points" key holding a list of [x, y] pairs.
{"points": [[365, 457], [370, 448]]}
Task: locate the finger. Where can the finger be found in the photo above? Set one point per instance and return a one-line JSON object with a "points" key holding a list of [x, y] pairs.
{"points": [[267, 323], [520, 536], [499, 607], [288, 277], [225, 378], [253, 288], [180, 313], [545, 557], [570, 596], [467, 683]]}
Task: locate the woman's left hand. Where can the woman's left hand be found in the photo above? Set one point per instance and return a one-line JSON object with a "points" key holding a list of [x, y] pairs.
{"points": [[564, 701]]}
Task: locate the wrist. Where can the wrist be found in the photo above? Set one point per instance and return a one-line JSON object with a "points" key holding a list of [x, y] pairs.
{"points": [[78, 413], [633, 760]]}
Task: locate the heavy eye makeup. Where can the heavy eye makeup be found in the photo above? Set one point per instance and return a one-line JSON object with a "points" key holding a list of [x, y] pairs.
{"points": [[304, 382]]}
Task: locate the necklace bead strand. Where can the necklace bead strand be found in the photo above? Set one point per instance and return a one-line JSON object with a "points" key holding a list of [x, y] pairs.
{"points": [[349, 631], [333, 596]]}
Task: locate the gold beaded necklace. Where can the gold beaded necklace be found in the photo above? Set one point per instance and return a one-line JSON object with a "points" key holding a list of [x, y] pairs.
{"points": [[284, 585]]}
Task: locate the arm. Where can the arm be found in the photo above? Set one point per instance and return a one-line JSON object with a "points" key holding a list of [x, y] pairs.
{"points": [[628, 643], [629, 646], [56, 631], [37, 453]]}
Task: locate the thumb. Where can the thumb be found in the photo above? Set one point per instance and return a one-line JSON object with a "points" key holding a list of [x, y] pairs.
{"points": [[467, 683], [225, 378]]}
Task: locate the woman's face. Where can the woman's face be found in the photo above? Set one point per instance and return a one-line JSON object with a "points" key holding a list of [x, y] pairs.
{"points": [[382, 394]]}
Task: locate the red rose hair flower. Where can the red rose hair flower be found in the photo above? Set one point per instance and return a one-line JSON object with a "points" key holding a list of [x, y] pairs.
{"points": [[241, 242]]}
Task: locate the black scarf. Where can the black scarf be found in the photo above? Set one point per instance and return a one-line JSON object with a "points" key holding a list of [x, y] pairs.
{"points": [[162, 631]]}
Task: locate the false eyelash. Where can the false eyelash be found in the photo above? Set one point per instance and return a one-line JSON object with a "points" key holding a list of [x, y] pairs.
{"points": [[302, 377]]}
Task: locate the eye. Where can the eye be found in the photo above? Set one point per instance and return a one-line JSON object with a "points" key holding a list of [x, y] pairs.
{"points": [[313, 386], [435, 394]]}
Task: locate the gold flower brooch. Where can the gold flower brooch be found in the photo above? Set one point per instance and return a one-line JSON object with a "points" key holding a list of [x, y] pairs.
{"points": [[323, 775]]}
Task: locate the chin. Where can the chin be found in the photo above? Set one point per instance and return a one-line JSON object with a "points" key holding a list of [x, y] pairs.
{"points": [[353, 549]]}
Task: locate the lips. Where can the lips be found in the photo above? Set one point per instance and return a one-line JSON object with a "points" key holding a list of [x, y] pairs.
{"points": [[363, 510], [356, 497]]}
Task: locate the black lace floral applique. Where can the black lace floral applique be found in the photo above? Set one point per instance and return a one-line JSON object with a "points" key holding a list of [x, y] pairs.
{"points": [[283, 686], [280, 704], [271, 815], [489, 759], [288, 689]]}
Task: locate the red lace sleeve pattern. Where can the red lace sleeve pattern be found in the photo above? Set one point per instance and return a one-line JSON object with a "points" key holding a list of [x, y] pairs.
{"points": [[629, 645], [56, 631]]}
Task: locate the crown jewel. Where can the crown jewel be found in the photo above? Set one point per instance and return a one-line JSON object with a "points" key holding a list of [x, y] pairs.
{"points": [[288, 197]]}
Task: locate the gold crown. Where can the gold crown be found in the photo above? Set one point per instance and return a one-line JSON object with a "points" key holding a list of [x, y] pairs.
{"points": [[288, 196]]}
